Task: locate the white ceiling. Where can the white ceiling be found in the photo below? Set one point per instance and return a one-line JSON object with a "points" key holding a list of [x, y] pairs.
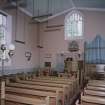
{"points": [[43, 7], [54, 7]]}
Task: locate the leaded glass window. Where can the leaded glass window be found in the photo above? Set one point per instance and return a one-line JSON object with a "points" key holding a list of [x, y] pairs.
{"points": [[3, 27], [3, 30], [73, 25]]}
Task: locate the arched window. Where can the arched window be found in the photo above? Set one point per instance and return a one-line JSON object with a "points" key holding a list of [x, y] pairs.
{"points": [[74, 25], [3, 27], [5, 33]]}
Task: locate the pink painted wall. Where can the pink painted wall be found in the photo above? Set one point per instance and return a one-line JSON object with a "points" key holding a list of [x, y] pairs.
{"points": [[23, 31], [54, 42]]}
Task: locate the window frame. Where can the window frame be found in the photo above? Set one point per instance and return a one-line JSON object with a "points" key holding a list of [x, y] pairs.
{"points": [[65, 25]]}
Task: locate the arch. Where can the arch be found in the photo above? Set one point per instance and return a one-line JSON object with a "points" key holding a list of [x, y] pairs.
{"points": [[74, 25]]}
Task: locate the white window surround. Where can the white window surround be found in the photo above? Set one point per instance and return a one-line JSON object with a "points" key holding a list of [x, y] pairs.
{"points": [[74, 18]]}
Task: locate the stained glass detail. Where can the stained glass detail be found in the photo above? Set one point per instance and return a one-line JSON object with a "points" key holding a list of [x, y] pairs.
{"points": [[73, 25]]}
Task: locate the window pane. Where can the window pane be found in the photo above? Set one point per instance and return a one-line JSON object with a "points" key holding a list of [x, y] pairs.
{"points": [[2, 27], [4, 21], [73, 25], [79, 28], [1, 33], [0, 19]]}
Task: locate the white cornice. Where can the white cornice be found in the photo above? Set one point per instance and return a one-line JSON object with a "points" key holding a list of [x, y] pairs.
{"points": [[61, 13], [68, 10]]}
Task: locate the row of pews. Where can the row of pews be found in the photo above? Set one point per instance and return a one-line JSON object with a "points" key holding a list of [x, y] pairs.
{"points": [[40, 90], [94, 93]]}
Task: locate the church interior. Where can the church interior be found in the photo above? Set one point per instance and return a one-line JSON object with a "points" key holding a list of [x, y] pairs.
{"points": [[52, 52]]}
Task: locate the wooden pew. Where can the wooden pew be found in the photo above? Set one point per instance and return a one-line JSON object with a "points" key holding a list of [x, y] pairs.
{"points": [[75, 82], [57, 91], [36, 87], [97, 83], [69, 83], [64, 87], [58, 79], [62, 81], [53, 81], [94, 93], [43, 83], [12, 99], [53, 78], [92, 100], [93, 96], [35, 94], [95, 88], [103, 81], [17, 99], [72, 89]]}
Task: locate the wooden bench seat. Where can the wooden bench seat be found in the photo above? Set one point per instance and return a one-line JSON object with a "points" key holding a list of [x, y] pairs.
{"points": [[92, 100], [65, 87], [69, 83], [95, 93], [61, 80], [96, 88], [42, 83], [55, 90], [53, 81], [97, 84], [97, 81], [31, 92], [53, 98], [65, 94], [56, 79], [21, 100], [36, 87]]}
